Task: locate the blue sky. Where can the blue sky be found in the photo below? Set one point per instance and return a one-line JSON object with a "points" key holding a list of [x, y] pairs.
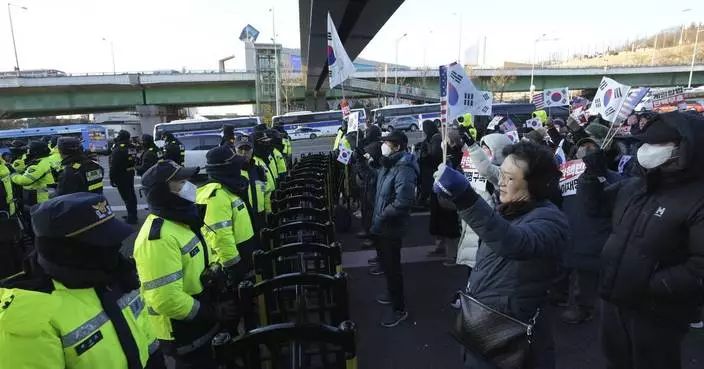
{"points": [[172, 34]]}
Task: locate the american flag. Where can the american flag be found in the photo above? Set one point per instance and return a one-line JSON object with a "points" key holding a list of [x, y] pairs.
{"points": [[632, 100], [539, 100], [443, 94]]}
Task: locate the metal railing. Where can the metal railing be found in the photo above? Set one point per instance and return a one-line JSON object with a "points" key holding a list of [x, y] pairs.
{"points": [[391, 90]]}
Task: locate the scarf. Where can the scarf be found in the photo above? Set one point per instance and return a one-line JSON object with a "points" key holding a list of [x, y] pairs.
{"points": [[515, 210]]}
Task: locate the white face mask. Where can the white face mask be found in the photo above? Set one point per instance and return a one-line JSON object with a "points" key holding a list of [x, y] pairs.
{"points": [[386, 149], [653, 156], [188, 192]]}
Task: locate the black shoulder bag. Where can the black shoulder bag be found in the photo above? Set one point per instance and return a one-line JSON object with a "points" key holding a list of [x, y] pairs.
{"points": [[498, 338]]}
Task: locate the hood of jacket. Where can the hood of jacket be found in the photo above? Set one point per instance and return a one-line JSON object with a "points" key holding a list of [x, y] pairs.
{"points": [[496, 142], [430, 129], [404, 158], [691, 128]]}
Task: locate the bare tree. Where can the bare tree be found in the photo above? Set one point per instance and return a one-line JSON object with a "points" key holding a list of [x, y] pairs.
{"points": [[379, 79], [290, 79], [499, 81], [424, 79]]}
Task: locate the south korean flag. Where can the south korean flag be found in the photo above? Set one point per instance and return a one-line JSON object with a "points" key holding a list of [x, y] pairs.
{"points": [[463, 97]]}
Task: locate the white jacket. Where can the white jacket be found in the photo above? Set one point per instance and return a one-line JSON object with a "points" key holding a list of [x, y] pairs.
{"points": [[489, 169]]}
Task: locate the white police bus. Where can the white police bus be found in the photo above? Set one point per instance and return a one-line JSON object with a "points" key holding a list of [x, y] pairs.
{"points": [[200, 135], [385, 117], [325, 122]]}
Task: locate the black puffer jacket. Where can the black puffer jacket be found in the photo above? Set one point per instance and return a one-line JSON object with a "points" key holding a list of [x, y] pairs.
{"points": [[653, 260]]}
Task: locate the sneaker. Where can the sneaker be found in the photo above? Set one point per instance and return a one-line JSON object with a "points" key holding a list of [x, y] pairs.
{"points": [[375, 271], [394, 318], [367, 244], [357, 214], [384, 299], [697, 325], [575, 315], [373, 261], [362, 234]]}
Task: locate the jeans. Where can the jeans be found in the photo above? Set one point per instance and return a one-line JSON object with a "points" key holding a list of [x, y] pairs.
{"points": [[389, 251], [633, 340]]}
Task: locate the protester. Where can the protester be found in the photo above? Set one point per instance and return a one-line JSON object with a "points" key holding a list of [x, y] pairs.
{"points": [[589, 233], [486, 157], [395, 192], [653, 261], [521, 242], [430, 157], [367, 183]]}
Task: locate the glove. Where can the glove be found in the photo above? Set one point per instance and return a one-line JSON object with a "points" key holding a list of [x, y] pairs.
{"points": [[468, 134], [449, 183], [595, 163]]}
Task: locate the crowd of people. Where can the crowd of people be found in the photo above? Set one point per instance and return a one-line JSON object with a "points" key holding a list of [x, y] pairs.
{"points": [[79, 301], [616, 227]]}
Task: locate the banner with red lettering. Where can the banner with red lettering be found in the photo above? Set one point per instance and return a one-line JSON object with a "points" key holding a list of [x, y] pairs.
{"points": [[471, 172], [571, 171]]}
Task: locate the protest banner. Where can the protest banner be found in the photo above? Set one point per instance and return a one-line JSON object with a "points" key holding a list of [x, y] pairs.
{"points": [[571, 171]]}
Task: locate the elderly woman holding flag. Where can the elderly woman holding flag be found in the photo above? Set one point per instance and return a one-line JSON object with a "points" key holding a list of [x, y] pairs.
{"points": [[521, 242]]}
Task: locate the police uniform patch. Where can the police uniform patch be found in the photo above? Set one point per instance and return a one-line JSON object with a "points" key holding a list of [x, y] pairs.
{"points": [[102, 209], [4, 304], [194, 252], [94, 175], [89, 342]]}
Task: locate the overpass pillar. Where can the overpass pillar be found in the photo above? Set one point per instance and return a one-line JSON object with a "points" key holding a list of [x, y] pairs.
{"points": [[316, 102], [150, 115]]}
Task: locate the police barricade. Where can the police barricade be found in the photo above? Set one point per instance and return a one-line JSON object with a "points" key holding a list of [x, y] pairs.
{"points": [[298, 213], [298, 257], [290, 191], [298, 201], [301, 231], [271, 347]]}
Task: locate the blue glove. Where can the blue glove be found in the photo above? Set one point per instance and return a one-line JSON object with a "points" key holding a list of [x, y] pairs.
{"points": [[449, 182]]}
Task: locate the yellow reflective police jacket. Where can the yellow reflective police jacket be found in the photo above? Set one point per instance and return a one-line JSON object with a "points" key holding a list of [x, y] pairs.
{"points": [[338, 138], [35, 180], [19, 165], [68, 329], [228, 227], [170, 259], [288, 148], [280, 161], [271, 166], [270, 184], [55, 159], [6, 184]]}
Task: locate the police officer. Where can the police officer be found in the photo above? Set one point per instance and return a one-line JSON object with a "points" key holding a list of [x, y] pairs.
{"points": [[261, 183], [228, 135], [286, 140], [227, 215], [9, 228], [173, 149], [77, 304], [150, 154], [172, 255], [122, 168], [55, 157], [18, 150], [340, 134], [277, 152], [37, 176], [81, 173], [263, 150]]}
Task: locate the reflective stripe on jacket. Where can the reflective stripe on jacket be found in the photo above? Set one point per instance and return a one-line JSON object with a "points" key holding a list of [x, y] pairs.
{"points": [[170, 265], [68, 329], [228, 226]]}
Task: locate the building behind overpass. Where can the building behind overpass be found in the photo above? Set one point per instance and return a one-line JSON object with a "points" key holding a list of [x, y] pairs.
{"points": [[260, 58]]}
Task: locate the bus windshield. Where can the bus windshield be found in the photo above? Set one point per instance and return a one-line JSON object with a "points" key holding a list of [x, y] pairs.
{"points": [[194, 127], [93, 137]]}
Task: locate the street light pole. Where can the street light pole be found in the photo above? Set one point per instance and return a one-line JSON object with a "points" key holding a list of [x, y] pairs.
{"points": [[694, 54], [683, 24], [532, 67], [398, 40], [12, 32], [276, 62], [459, 38], [112, 54]]}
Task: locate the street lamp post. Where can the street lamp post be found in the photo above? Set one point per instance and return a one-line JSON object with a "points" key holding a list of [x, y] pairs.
{"points": [[276, 62], [683, 25], [532, 67], [459, 38], [12, 33], [398, 40], [112, 54], [694, 55]]}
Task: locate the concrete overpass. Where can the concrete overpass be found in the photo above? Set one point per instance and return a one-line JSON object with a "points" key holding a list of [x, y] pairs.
{"points": [[357, 21], [21, 97]]}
